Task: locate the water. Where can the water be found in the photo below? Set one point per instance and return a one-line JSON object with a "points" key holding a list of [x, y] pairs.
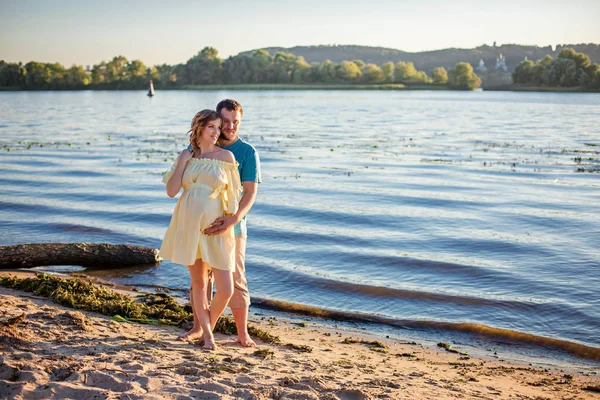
{"points": [[419, 209]]}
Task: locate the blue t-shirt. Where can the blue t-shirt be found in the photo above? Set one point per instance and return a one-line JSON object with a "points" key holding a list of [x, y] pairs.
{"points": [[249, 167]]}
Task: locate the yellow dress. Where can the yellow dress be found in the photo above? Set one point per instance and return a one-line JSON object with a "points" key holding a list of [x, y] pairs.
{"points": [[211, 189]]}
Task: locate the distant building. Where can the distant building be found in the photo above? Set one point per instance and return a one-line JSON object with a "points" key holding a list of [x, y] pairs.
{"points": [[88, 69], [501, 63], [481, 67]]}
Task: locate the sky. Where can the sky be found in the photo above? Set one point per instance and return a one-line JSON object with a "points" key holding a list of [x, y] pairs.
{"points": [[86, 32]]}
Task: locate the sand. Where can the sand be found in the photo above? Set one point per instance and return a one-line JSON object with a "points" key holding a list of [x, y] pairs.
{"points": [[50, 351]]}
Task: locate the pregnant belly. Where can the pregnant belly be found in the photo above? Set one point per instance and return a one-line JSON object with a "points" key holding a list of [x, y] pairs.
{"points": [[200, 209]]}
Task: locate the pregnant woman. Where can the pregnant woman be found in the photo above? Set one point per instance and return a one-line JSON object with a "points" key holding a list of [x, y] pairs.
{"points": [[211, 189]]}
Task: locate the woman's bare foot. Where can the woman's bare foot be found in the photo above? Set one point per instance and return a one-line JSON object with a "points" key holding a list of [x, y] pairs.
{"points": [[192, 334], [245, 340]]}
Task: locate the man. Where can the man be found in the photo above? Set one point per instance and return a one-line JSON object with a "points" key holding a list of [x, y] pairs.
{"points": [[231, 113]]}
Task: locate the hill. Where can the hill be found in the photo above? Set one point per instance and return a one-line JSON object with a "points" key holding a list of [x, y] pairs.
{"points": [[428, 60]]}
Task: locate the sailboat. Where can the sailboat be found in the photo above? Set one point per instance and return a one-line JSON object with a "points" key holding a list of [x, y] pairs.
{"points": [[151, 90]]}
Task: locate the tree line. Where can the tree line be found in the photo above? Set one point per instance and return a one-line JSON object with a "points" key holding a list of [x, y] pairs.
{"points": [[207, 68], [428, 60], [569, 69]]}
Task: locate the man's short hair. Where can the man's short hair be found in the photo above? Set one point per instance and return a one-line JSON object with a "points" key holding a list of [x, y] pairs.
{"points": [[230, 105]]}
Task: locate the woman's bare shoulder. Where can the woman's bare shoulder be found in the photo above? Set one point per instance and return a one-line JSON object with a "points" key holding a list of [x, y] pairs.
{"points": [[225, 155]]}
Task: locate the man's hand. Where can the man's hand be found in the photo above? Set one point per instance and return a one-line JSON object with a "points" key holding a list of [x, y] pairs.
{"points": [[220, 225], [185, 156]]}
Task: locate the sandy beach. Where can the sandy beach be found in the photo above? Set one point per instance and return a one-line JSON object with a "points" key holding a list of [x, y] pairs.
{"points": [[51, 351]]}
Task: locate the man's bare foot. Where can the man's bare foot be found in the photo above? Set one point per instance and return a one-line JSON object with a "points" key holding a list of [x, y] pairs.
{"points": [[192, 334], [208, 344], [245, 340]]}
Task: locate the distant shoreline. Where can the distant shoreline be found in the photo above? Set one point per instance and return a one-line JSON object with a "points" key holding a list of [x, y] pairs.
{"points": [[286, 86], [524, 88], [259, 86]]}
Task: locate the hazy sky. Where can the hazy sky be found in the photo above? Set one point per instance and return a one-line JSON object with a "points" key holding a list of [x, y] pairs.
{"points": [[86, 32]]}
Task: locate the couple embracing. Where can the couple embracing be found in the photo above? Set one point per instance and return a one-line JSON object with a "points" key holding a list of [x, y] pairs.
{"points": [[219, 174]]}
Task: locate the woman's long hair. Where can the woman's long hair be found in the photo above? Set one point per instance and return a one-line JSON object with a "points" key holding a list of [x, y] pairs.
{"points": [[200, 120]]}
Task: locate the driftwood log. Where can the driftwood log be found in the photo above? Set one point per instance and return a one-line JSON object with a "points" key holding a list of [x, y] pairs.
{"points": [[90, 255]]}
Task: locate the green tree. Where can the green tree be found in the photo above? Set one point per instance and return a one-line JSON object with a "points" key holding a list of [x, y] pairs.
{"points": [[116, 69], [562, 72], [524, 72], [300, 70], [421, 77], [12, 74], [348, 72], [261, 63], [136, 74], [99, 73], [282, 67], [238, 70], [210, 53], [165, 73], [388, 71], [153, 74], [545, 62], [595, 80], [360, 64], [58, 75], [405, 72], [135, 69], [373, 74], [37, 76], [314, 75], [581, 60], [462, 77], [76, 77], [204, 68], [439, 76], [568, 70], [540, 68], [328, 72], [585, 72], [587, 78]]}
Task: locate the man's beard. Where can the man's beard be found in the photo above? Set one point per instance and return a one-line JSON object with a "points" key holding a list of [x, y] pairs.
{"points": [[222, 136]]}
